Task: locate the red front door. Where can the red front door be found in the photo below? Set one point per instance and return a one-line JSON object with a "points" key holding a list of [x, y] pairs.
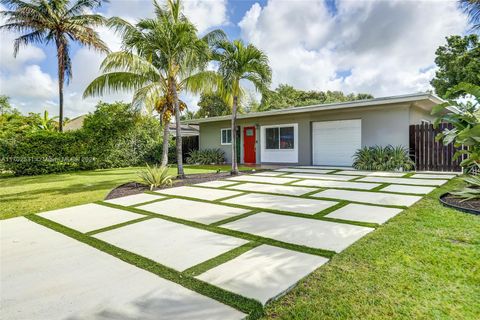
{"points": [[249, 155]]}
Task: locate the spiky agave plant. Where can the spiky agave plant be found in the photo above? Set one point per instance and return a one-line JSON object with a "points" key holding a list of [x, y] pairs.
{"points": [[155, 176]]}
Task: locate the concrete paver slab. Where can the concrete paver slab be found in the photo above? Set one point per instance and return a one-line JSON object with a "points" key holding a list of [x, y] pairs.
{"points": [[321, 176], [174, 245], [371, 173], [263, 273], [417, 182], [408, 189], [278, 189], [193, 210], [325, 167], [304, 170], [89, 217], [268, 173], [252, 178], [51, 276], [199, 193], [433, 176], [388, 199], [302, 231], [291, 204], [215, 184], [135, 199], [364, 213], [336, 184]]}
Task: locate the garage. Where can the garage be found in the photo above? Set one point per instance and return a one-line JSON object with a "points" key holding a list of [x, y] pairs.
{"points": [[335, 142]]}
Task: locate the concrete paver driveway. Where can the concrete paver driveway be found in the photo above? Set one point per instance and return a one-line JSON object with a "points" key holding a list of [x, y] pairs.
{"points": [[217, 250]]}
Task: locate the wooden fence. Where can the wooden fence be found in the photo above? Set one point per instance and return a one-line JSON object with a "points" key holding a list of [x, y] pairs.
{"points": [[429, 154]]}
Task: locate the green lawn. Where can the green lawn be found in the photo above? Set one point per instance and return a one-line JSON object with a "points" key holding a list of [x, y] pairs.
{"points": [[423, 264], [24, 195]]}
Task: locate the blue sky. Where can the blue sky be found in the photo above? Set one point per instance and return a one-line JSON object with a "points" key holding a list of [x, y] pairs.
{"points": [[379, 47]]}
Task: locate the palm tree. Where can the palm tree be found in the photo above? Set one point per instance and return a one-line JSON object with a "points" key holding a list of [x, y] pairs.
{"points": [[161, 57], [58, 21], [472, 8], [238, 62]]}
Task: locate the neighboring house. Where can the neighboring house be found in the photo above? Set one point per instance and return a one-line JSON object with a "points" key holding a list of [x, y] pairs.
{"points": [[187, 130], [75, 123], [327, 134]]}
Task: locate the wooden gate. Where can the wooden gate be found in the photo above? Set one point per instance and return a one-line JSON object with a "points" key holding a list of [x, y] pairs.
{"points": [[431, 155]]}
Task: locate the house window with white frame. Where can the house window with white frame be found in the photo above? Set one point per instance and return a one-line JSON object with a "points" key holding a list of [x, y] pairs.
{"points": [[280, 138], [226, 136]]}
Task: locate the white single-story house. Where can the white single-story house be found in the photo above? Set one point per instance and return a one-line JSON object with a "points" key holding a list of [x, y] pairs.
{"points": [[326, 134]]}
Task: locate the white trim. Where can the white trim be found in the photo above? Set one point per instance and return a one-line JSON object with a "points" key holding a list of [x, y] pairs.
{"points": [[279, 155], [221, 137]]}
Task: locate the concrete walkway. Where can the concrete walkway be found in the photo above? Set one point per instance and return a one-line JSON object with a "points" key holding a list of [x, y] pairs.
{"points": [[248, 237]]}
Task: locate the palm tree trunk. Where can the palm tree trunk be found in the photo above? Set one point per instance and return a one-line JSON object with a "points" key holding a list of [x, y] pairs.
{"points": [[61, 75], [234, 136], [166, 137], [178, 138]]}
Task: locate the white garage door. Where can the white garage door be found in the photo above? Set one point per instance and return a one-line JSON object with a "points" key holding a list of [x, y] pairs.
{"points": [[335, 142]]}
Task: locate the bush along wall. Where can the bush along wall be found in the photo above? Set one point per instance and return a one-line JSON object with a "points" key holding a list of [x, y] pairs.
{"points": [[113, 136]]}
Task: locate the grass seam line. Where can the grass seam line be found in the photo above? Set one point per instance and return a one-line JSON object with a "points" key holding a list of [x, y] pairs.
{"points": [[116, 226], [220, 259]]}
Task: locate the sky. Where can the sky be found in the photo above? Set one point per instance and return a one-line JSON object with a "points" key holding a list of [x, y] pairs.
{"points": [[382, 47]]}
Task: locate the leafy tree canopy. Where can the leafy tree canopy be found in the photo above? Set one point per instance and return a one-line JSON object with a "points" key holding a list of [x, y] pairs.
{"points": [[212, 105], [5, 106], [458, 61], [285, 96]]}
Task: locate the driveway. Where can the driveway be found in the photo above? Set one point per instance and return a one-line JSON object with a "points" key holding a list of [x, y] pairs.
{"points": [[215, 250]]}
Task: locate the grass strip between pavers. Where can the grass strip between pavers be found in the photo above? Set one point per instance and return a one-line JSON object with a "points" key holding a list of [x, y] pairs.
{"points": [[118, 225], [235, 218], [241, 303], [228, 232], [218, 260]]}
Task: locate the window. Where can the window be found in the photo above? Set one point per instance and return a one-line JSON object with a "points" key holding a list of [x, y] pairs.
{"points": [[279, 138], [226, 136]]}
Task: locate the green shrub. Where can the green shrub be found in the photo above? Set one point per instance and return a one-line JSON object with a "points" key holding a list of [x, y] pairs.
{"points": [[206, 156], [114, 135], [155, 176], [43, 152], [379, 158]]}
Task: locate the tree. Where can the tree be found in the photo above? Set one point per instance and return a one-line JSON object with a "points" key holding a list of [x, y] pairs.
{"points": [[465, 122], [160, 57], [458, 61], [472, 8], [5, 106], [58, 21], [285, 96], [212, 105], [239, 62]]}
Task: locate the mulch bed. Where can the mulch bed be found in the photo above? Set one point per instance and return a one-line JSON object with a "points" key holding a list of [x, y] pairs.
{"points": [[470, 206], [131, 188]]}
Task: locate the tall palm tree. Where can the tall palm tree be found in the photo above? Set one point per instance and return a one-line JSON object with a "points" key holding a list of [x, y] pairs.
{"points": [[58, 21], [472, 8], [239, 62], [161, 57]]}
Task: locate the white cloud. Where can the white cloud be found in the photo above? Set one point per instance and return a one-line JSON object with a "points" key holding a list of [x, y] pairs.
{"points": [[33, 89], [382, 47], [205, 14]]}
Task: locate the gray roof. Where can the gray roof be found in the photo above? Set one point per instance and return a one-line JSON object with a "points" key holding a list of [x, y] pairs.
{"points": [[428, 99]]}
